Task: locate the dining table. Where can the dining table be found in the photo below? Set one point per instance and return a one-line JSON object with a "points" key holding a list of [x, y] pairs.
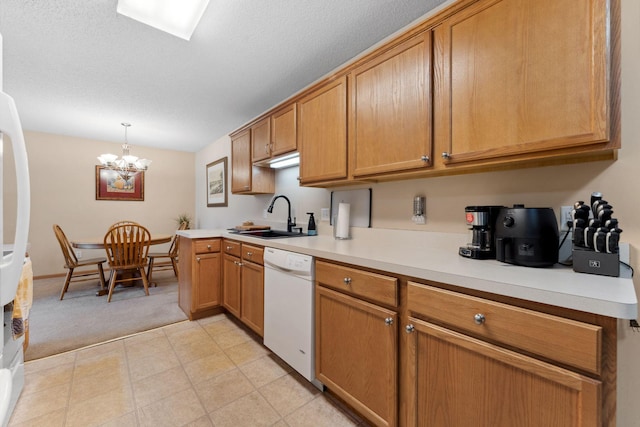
{"points": [[98, 243]]}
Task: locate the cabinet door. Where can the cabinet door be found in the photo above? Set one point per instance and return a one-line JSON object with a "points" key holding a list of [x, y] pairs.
{"points": [[283, 130], [206, 289], [252, 310], [356, 354], [461, 381], [322, 133], [261, 140], [231, 269], [521, 77], [246, 178], [390, 110], [241, 162]]}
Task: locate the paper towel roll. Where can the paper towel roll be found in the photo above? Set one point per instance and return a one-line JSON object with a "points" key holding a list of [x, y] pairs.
{"points": [[342, 224]]}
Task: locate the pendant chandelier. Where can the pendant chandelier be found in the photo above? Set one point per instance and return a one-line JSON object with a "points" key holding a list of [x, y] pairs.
{"points": [[128, 165]]}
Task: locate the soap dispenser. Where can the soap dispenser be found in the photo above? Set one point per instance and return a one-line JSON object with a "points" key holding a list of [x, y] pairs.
{"points": [[311, 228]]}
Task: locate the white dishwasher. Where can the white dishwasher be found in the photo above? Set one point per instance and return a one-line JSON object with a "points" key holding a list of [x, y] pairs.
{"points": [[289, 324]]}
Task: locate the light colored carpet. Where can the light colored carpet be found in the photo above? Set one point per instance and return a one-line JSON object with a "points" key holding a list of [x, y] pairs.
{"points": [[82, 318]]}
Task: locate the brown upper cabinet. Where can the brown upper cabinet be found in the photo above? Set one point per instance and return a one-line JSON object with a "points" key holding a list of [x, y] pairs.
{"points": [[322, 133], [246, 178], [261, 140], [480, 85], [274, 136], [283, 131], [390, 110], [523, 79]]}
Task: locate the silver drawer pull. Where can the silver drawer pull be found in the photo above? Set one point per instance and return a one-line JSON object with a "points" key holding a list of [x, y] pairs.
{"points": [[208, 247], [388, 321], [347, 280], [409, 328], [249, 254], [479, 319], [198, 259], [229, 248]]}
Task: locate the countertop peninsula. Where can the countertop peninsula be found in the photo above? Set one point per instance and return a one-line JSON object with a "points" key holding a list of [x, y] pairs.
{"points": [[434, 256]]}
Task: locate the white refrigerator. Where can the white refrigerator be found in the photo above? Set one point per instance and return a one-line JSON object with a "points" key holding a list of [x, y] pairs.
{"points": [[13, 253]]}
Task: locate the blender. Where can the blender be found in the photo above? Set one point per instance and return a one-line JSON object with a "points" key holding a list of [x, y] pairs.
{"points": [[481, 221]]}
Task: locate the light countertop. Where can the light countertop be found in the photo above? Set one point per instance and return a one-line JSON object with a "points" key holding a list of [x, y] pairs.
{"points": [[434, 256]]}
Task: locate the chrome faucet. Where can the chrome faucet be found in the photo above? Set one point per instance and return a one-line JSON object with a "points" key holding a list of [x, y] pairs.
{"points": [[290, 224]]}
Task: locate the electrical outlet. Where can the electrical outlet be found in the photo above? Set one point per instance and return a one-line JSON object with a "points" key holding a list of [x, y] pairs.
{"points": [[324, 214], [565, 215], [78, 253]]}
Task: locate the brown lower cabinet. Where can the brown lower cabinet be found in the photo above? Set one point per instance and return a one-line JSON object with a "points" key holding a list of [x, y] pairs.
{"points": [[462, 381], [252, 288], [357, 341], [414, 354], [199, 277], [231, 274], [243, 283]]}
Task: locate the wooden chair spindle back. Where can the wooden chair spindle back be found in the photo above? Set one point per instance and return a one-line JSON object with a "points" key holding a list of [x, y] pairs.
{"points": [[127, 245], [67, 250]]}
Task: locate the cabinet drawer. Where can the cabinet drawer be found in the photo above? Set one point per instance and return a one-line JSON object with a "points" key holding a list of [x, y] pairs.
{"points": [[231, 247], [566, 341], [371, 286], [205, 246], [252, 253]]}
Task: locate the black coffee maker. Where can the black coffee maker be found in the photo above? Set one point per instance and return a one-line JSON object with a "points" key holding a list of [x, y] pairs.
{"points": [[481, 221]]}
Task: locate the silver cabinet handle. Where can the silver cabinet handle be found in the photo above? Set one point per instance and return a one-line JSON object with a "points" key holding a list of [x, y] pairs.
{"points": [[198, 259], [347, 280], [409, 328], [249, 254], [425, 159], [479, 319], [228, 248], [238, 263], [388, 321], [446, 156], [209, 247]]}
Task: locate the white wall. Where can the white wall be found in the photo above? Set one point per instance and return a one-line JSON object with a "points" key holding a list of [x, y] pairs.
{"points": [[554, 186]]}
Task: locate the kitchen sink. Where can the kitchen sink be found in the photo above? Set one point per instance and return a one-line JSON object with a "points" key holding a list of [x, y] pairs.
{"points": [[270, 234]]}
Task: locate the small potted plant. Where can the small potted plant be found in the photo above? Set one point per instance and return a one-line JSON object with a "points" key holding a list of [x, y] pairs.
{"points": [[184, 218]]}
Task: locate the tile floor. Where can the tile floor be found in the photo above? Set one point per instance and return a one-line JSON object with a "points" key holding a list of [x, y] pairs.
{"points": [[210, 372]]}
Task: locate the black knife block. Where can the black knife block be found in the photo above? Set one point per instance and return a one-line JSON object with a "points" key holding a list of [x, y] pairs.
{"points": [[589, 261]]}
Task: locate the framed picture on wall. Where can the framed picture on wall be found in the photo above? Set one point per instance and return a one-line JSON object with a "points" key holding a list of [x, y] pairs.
{"points": [[217, 183], [111, 186]]}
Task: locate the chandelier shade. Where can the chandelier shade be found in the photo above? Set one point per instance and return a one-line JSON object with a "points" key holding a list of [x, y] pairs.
{"points": [[128, 165]]}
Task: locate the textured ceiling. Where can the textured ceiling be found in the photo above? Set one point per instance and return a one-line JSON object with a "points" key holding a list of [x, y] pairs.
{"points": [[76, 67]]}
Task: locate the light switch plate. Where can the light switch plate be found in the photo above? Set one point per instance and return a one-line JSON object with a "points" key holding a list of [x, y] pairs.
{"points": [[324, 214]]}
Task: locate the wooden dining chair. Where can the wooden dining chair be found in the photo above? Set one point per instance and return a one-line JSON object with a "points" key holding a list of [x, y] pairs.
{"points": [[127, 247], [72, 263], [123, 222], [170, 258]]}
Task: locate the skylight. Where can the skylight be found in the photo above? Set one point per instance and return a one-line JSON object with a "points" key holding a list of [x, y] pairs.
{"points": [[176, 17]]}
